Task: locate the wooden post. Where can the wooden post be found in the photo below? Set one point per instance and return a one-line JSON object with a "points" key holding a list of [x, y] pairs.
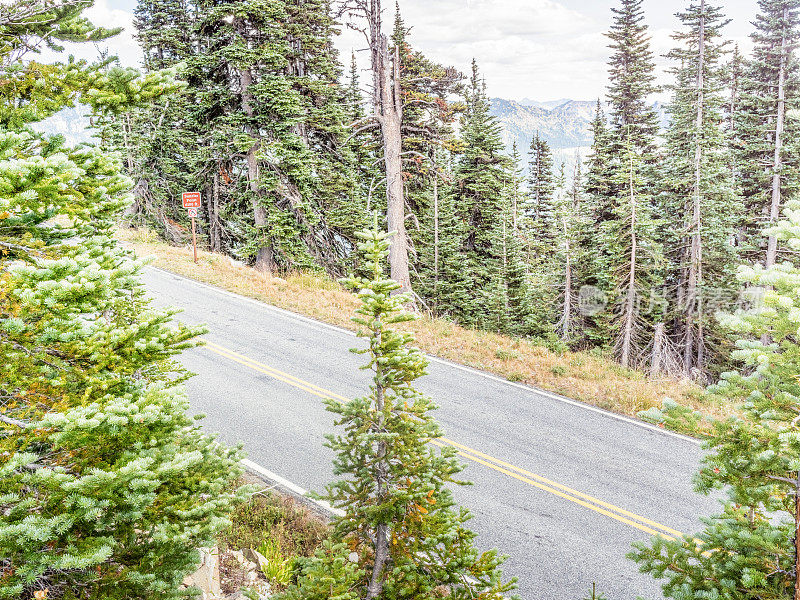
{"points": [[194, 241]]}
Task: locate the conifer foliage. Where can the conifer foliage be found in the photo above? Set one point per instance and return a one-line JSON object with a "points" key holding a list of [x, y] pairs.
{"points": [[752, 549], [409, 537], [107, 487]]}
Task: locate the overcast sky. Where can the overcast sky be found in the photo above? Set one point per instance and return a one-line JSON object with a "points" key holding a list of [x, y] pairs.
{"points": [[537, 49]]}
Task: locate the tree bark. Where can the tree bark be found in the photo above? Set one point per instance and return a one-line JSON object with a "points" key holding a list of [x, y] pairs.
{"points": [[775, 205], [435, 237], [214, 235], [567, 315], [630, 297], [388, 112], [693, 343], [382, 531], [264, 260], [392, 150], [797, 538]]}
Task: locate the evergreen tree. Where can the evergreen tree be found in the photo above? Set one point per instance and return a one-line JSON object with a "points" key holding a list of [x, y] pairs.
{"points": [[750, 550], [596, 209], [698, 186], [262, 101], [107, 487], [480, 195], [632, 80], [541, 191], [400, 518], [631, 262], [770, 89]]}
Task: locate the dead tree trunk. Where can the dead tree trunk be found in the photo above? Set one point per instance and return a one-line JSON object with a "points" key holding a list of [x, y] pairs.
{"points": [[391, 121], [775, 205], [435, 238], [387, 111]]}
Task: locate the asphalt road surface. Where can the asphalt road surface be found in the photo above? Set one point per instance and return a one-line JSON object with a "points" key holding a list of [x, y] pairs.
{"points": [[562, 488]]}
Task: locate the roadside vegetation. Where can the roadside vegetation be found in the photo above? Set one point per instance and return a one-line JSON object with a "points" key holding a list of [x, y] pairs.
{"points": [[591, 377]]}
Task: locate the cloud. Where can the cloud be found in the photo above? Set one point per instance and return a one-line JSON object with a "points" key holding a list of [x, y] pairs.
{"points": [[537, 48]]}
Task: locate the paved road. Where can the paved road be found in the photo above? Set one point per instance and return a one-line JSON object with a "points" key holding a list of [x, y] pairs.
{"points": [[562, 488]]}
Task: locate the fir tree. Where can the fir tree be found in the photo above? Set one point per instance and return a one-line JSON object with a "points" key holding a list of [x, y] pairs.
{"points": [[107, 487], [480, 189], [770, 89], [541, 190], [400, 518], [698, 191], [631, 261], [751, 549], [632, 79]]}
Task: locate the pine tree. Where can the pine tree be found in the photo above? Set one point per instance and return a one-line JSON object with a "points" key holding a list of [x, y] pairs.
{"points": [[480, 195], [262, 100], [541, 191], [698, 191], [632, 261], [107, 486], [400, 518], [751, 549], [770, 89], [596, 209], [571, 220]]}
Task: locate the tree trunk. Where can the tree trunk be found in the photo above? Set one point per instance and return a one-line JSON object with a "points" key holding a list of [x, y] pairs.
{"points": [[775, 205], [214, 234], [630, 297], [264, 255], [435, 238], [693, 343], [567, 315], [382, 531], [797, 538], [388, 112], [391, 121], [657, 356]]}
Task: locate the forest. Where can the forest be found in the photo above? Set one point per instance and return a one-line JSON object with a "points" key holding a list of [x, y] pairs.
{"points": [[632, 252], [389, 173]]}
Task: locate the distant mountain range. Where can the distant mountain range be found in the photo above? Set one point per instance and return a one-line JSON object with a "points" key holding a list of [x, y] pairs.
{"points": [[564, 124]]}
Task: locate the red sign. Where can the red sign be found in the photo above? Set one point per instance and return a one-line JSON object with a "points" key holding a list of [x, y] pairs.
{"points": [[191, 200]]}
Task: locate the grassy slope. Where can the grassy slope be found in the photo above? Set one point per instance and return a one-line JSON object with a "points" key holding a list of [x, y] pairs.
{"points": [[583, 376]]}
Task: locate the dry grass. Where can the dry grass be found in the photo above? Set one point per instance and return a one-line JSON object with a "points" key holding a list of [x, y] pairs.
{"points": [[583, 376], [270, 515]]}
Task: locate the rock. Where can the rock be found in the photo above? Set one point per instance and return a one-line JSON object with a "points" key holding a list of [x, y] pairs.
{"points": [[255, 556], [206, 578], [238, 555], [353, 557]]}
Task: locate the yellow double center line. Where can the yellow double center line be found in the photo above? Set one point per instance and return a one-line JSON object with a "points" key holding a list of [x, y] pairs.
{"points": [[523, 475]]}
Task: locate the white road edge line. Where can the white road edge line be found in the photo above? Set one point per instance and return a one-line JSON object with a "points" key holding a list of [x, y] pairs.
{"points": [[527, 388], [292, 487]]}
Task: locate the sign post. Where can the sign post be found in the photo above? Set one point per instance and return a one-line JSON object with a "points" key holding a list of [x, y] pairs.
{"points": [[192, 201]]}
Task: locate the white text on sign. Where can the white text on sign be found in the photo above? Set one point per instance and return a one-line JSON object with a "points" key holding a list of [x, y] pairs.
{"points": [[191, 200]]}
